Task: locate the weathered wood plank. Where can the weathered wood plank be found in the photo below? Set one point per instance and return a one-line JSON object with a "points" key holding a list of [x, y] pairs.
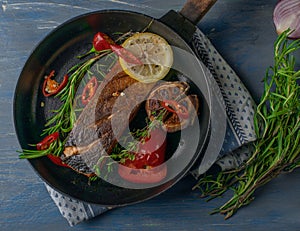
{"points": [[241, 30]]}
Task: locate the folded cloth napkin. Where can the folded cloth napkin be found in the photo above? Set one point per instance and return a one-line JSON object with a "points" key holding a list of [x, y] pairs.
{"points": [[239, 105], [240, 132]]}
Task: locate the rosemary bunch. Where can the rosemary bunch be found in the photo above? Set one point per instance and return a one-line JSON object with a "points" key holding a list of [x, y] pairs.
{"points": [[277, 125]]}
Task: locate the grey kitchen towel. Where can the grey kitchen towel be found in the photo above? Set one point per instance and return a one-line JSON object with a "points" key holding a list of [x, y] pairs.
{"points": [[236, 148]]}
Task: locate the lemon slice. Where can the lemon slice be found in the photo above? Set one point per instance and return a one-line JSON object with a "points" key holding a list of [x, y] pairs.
{"points": [[153, 51]]}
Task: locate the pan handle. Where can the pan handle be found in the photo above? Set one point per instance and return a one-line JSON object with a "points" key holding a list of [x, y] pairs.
{"points": [[194, 10], [184, 21]]}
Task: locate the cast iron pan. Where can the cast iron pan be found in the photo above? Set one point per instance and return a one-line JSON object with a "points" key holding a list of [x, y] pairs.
{"points": [[58, 51]]}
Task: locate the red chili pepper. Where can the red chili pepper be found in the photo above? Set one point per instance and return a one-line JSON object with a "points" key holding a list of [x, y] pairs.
{"points": [[56, 160], [150, 154], [143, 176], [174, 107], [125, 54], [45, 143], [102, 41], [51, 87], [89, 90]]}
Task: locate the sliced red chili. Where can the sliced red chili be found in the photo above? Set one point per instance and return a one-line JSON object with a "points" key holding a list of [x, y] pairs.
{"points": [[51, 87], [174, 107], [56, 160], [89, 90], [125, 54], [45, 143]]}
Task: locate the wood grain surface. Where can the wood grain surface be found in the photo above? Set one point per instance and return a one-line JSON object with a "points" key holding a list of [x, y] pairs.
{"points": [[243, 32]]}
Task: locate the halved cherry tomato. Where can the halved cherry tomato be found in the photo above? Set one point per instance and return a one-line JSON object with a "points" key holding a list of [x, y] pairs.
{"points": [[174, 107], [45, 143], [89, 90], [146, 167], [51, 87]]}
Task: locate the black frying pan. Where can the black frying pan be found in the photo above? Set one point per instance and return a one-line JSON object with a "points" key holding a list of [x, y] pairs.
{"points": [[58, 51]]}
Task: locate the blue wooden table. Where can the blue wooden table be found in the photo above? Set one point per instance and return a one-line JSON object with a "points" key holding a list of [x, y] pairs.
{"points": [[242, 31]]}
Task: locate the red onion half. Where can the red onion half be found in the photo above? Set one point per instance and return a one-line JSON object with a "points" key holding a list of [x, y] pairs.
{"points": [[286, 15]]}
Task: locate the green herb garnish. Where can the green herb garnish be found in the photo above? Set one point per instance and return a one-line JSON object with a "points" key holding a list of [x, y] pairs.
{"points": [[65, 116], [277, 124], [120, 154]]}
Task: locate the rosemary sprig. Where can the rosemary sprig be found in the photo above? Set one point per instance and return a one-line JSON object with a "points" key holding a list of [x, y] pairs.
{"points": [[55, 148], [277, 124], [65, 116]]}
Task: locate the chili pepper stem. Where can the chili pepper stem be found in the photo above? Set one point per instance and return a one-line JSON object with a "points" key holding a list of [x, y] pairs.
{"points": [[91, 51]]}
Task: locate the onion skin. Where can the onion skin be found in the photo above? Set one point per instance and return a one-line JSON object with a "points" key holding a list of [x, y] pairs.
{"points": [[286, 16]]}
